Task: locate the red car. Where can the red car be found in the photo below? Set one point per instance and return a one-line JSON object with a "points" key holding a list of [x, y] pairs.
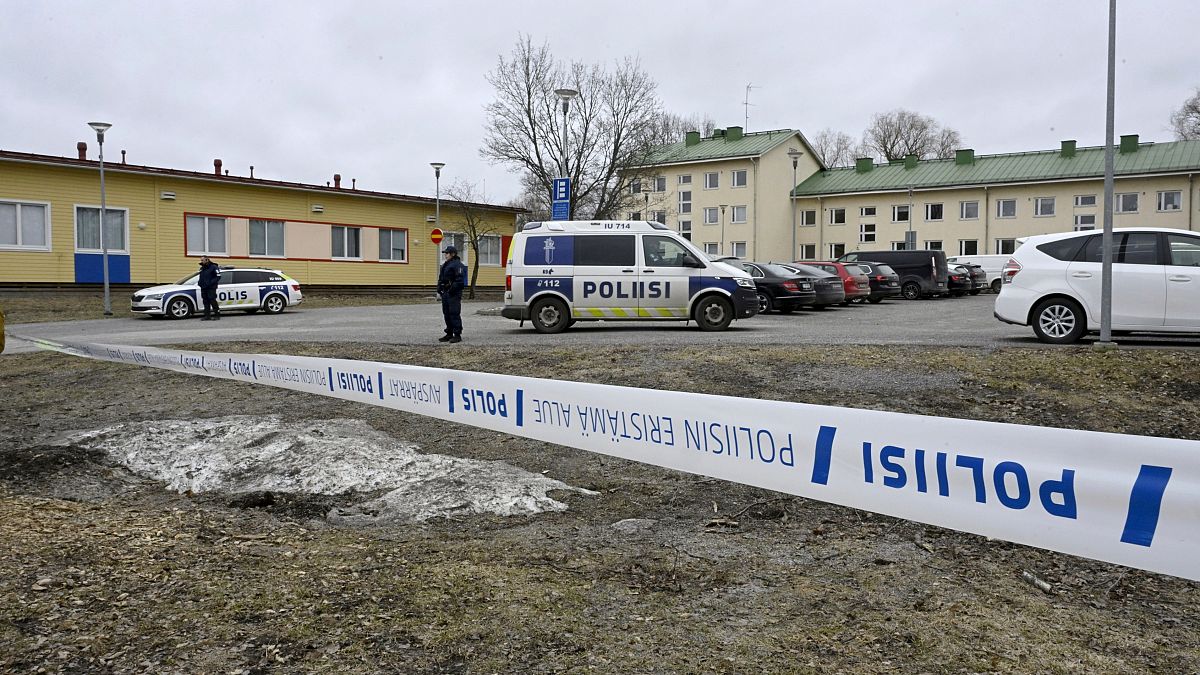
{"points": [[856, 283]]}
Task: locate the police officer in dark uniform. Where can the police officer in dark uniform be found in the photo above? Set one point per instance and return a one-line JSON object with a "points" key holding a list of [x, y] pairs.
{"points": [[452, 279], [210, 276]]}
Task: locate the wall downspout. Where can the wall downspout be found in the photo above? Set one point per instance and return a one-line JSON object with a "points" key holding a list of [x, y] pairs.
{"points": [[820, 228], [987, 217], [752, 254], [1191, 201]]}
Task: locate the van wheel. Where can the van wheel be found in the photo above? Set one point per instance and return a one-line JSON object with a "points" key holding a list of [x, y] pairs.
{"points": [[713, 313], [996, 284], [179, 308], [764, 303], [911, 290], [1059, 321], [549, 316]]}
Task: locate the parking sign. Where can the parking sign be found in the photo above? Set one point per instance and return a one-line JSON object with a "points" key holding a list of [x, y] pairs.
{"points": [[562, 189]]}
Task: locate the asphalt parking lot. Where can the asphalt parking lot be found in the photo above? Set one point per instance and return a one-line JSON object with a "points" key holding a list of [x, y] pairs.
{"points": [[963, 322]]}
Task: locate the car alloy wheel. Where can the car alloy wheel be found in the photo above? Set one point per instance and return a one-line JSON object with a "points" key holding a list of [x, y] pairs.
{"points": [[179, 308], [911, 290], [1059, 321]]}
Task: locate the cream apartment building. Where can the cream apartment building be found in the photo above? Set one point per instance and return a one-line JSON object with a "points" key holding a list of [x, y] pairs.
{"points": [[727, 193]]}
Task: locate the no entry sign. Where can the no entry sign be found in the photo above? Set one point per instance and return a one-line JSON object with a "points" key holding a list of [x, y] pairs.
{"points": [[436, 236]]}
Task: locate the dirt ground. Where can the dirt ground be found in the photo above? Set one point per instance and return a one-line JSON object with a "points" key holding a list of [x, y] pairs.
{"points": [[106, 571]]}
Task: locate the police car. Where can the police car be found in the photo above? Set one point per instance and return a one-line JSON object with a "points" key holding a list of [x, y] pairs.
{"points": [[560, 272], [246, 289]]}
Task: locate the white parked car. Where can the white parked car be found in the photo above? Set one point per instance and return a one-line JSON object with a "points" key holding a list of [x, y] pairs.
{"points": [[245, 289], [1052, 283]]}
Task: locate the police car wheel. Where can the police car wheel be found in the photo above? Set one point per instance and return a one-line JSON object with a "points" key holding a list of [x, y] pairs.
{"points": [[179, 308], [549, 316], [274, 304], [713, 313]]}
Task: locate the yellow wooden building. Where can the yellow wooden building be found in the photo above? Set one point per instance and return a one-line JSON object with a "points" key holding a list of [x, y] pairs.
{"points": [[160, 221]]}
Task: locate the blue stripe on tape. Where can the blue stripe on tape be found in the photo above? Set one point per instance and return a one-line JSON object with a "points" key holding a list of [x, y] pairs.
{"points": [[1145, 502], [520, 408], [330, 378], [450, 386], [254, 367], [824, 455], [381, 385]]}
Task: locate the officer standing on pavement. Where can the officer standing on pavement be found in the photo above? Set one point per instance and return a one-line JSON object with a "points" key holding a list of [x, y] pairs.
{"points": [[452, 279], [210, 276]]}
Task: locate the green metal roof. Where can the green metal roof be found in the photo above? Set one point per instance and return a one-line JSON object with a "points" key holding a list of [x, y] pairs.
{"points": [[1011, 168], [751, 144]]}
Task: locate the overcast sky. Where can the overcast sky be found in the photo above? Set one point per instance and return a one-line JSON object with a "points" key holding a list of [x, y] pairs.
{"points": [[377, 90]]}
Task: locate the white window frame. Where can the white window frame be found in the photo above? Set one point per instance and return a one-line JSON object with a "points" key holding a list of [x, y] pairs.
{"points": [[733, 214], [635, 215], [962, 210], [1039, 207], [733, 178], [836, 250], [657, 217], [866, 236], [1079, 201], [75, 217], [1079, 221], [808, 218], [345, 241], [635, 186], [712, 248], [1000, 208], [1119, 202], [808, 251], [962, 246], [734, 247], [685, 229], [685, 205], [485, 256], [685, 179], [207, 225], [713, 184], [1000, 246], [866, 212], [930, 245], [659, 184], [929, 208], [899, 245], [837, 216], [266, 238], [46, 226], [391, 247], [715, 213], [896, 213], [1178, 200]]}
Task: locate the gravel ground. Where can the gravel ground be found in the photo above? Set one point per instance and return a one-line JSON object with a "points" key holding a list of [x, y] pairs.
{"points": [[658, 572]]}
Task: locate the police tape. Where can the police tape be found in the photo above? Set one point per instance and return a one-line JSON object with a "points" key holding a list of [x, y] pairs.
{"points": [[1131, 500]]}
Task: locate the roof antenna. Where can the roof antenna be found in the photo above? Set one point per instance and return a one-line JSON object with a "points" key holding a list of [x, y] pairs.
{"points": [[747, 104]]}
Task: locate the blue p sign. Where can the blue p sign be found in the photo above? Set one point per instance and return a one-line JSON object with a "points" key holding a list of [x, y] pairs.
{"points": [[562, 189]]}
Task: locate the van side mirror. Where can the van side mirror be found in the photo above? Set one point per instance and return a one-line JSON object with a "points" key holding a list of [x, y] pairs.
{"points": [[690, 261]]}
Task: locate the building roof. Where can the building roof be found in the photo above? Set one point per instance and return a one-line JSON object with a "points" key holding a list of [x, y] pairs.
{"points": [[118, 167], [1020, 167], [752, 144]]}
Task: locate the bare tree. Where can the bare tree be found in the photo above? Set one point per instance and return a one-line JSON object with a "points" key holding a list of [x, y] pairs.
{"points": [[834, 148], [1185, 121], [898, 133], [473, 220], [612, 128]]}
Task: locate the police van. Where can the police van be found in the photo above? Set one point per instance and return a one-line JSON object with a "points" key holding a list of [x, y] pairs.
{"points": [[560, 272], [245, 289]]}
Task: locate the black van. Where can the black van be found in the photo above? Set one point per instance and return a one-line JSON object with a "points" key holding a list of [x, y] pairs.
{"points": [[922, 273]]}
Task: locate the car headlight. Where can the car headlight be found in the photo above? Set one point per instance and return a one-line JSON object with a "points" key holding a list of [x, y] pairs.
{"points": [[744, 282], [156, 296]]}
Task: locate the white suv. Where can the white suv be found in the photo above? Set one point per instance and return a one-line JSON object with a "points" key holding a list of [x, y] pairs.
{"points": [[1053, 283], [245, 289]]}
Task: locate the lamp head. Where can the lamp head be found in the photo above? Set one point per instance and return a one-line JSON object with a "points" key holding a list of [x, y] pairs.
{"points": [[795, 155], [100, 128], [437, 168], [566, 94]]}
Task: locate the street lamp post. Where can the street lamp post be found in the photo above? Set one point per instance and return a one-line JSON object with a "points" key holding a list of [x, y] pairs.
{"points": [[721, 250], [795, 155], [100, 128], [437, 212], [566, 95]]}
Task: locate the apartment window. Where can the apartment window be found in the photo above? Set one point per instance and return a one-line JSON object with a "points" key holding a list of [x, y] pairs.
{"points": [[393, 245], [489, 250], [346, 241], [685, 179], [900, 213], [87, 229], [659, 183], [659, 217], [1085, 221], [968, 247], [710, 247], [685, 201], [1171, 200], [1085, 200], [636, 186], [206, 235], [712, 180], [1006, 208], [739, 214], [1127, 202], [808, 218], [933, 245], [1006, 246], [1043, 206], [934, 211], [866, 233], [968, 210], [738, 249], [899, 246], [866, 212], [710, 215], [837, 216], [24, 225], [266, 238], [685, 229], [635, 215], [837, 250], [808, 251], [738, 178]]}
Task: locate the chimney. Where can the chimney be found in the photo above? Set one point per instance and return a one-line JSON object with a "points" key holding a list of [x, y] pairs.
{"points": [[217, 166], [1129, 143], [691, 138], [863, 164], [122, 156], [82, 148], [718, 133], [337, 181], [353, 183], [734, 134], [252, 171], [964, 157], [910, 161], [1068, 149]]}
